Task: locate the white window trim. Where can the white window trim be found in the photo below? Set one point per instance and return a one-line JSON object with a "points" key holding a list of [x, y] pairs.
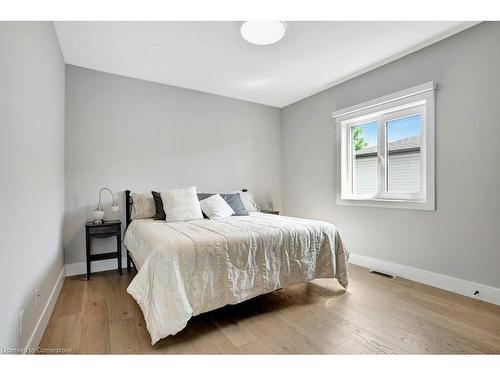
{"points": [[409, 98]]}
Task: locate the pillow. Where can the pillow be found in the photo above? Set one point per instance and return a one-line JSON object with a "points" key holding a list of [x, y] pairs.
{"points": [[247, 200], [143, 206], [159, 211], [215, 207], [233, 200], [181, 205]]}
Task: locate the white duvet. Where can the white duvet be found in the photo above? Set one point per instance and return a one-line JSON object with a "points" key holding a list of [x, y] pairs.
{"points": [[187, 268]]}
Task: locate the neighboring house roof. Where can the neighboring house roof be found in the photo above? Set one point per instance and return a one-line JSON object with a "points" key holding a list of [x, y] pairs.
{"points": [[410, 144]]}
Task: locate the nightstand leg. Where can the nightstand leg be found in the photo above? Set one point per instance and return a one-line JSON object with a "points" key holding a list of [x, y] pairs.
{"points": [[119, 250], [88, 255], [128, 262]]}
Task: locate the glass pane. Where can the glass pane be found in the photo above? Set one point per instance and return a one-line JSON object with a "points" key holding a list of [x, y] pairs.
{"points": [[403, 148], [364, 169]]}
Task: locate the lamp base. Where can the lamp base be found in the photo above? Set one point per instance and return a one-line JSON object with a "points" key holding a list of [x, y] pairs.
{"points": [[98, 216]]}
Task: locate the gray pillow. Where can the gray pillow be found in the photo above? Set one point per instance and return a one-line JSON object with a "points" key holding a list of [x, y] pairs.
{"points": [[233, 200]]}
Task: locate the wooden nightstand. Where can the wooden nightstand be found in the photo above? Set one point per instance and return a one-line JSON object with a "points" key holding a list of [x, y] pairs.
{"points": [[106, 229], [272, 212]]}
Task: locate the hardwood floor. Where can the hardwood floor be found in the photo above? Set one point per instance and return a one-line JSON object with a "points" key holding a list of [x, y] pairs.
{"points": [[376, 315]]}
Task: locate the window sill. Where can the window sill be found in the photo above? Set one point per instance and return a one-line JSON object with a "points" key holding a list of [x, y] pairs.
{"points": [[389, 203]]}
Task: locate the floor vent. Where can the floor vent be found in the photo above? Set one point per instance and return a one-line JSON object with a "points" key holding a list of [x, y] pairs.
{"points": [[380, 273]]}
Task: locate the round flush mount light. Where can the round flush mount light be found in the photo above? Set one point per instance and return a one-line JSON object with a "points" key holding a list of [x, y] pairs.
{"points": [[262, 33]]}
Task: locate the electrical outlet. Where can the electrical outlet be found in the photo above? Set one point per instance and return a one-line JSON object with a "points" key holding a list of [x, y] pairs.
{"points": [[37, 297], [21, 314]]}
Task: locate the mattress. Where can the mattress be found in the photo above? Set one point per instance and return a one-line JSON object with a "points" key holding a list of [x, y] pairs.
{"points": [[187, 268]]}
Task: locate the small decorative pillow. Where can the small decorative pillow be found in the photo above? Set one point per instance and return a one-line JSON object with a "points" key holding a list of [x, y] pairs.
{"points": [[215, 207], [181, 204], [143, 206], [159, 212]]}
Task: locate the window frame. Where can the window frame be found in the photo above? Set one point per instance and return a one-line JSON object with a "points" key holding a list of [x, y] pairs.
{"points": [[416, 100]]}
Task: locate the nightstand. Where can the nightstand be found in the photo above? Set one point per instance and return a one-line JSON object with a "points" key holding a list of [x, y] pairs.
{"points": [[106, 229], [272, 212]]}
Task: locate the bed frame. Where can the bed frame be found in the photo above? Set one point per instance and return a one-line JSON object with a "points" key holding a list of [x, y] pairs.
{"points": [[128, 210], [128, 220]]}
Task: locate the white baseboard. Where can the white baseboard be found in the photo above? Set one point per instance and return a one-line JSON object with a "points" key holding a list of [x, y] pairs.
{"points": [[452, 284], [80, 268], [41, 324]]}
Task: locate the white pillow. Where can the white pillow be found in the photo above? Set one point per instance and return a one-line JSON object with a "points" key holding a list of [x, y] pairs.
{"points": [[248, 201], [181, 204], [143, 206], [215, 207]]}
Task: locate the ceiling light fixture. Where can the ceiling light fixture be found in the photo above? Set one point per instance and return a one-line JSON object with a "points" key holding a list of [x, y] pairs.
{"points": [[262, 33]]}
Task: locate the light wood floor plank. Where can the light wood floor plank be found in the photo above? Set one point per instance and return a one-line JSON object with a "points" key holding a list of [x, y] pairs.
{"points": [[95, 335]]}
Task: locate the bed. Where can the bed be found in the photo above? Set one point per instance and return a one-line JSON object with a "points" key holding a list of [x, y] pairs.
{"points": [[188, 268]]}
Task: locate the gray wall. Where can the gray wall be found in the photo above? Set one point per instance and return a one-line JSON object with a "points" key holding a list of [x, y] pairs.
{"points": [[127, 133], [462, 237], [32, 172]]}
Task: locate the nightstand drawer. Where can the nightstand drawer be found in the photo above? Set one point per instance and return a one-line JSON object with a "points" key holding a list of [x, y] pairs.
{"points": [[103, 230]]}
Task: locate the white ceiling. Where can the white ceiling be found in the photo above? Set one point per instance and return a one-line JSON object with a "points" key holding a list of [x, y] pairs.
{"points": [[212, 57]]}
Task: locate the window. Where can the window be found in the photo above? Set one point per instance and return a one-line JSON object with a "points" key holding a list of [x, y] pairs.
{"points": [[386, 151]]}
